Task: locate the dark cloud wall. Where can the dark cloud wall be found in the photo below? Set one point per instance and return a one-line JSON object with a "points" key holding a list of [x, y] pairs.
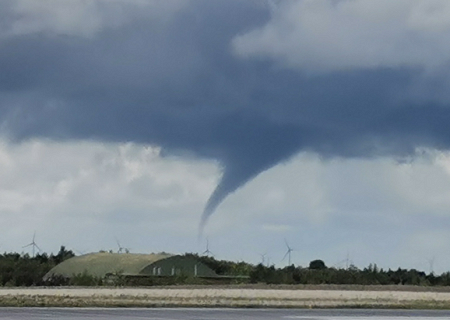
{"points": [[177, 84]]}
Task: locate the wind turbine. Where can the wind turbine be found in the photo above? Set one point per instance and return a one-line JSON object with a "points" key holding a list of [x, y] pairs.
{"points": [[33, 244], [120, 248], [288, 252], [207, 251], [263, 258], [348, 262]]}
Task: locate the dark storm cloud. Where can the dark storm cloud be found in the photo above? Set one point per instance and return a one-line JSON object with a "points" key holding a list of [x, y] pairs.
{"points": [[177, 84]]}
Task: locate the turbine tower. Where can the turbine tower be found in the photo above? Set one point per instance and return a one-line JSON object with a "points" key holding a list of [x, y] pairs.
{"points": [[33, 244], [288, 252], [431, 264]]}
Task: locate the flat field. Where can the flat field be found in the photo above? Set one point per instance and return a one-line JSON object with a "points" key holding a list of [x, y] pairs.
{"points": [[231, 296]]}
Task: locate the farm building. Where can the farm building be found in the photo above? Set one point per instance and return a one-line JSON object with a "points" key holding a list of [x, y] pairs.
{"points": [[106, 264]]}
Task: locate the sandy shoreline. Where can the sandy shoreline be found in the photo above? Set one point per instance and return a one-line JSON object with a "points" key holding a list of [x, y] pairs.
{"points": [[221, 297]]}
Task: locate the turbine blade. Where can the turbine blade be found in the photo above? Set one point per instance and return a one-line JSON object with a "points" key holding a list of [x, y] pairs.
{"points": [[287, 244]]}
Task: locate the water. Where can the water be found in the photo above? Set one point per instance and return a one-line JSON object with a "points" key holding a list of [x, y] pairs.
{"points": [[217, 314]]}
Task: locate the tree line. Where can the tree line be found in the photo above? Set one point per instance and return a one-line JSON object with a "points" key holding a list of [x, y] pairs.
{"points": [[318, 273], [25, 270]]}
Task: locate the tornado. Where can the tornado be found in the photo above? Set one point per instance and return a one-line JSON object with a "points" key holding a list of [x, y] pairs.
{"points": [[248, 161]]}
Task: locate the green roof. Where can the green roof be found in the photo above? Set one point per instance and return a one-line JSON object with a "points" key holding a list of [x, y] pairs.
{"points": [[103, 263]]}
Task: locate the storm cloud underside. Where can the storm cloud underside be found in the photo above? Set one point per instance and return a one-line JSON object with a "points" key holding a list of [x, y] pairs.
{"points": [[179, 84]]}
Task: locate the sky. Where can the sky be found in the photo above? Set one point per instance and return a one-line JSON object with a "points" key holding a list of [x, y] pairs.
{"points": [[250, 123]]}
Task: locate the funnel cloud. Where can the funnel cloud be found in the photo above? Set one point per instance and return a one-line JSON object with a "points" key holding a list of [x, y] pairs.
{"points": [[242, 82]]}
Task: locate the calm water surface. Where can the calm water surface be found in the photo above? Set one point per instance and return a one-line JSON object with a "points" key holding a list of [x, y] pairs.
{"points": [[216, 314]]}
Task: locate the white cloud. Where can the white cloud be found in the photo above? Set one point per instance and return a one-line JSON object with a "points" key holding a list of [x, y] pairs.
{"points": [[308, 189], [329, 35], [72, 192], [83, 17]]}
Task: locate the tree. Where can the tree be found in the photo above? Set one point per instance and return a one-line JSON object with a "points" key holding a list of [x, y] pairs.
{"points": [[63, 254], [317, 265]]}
